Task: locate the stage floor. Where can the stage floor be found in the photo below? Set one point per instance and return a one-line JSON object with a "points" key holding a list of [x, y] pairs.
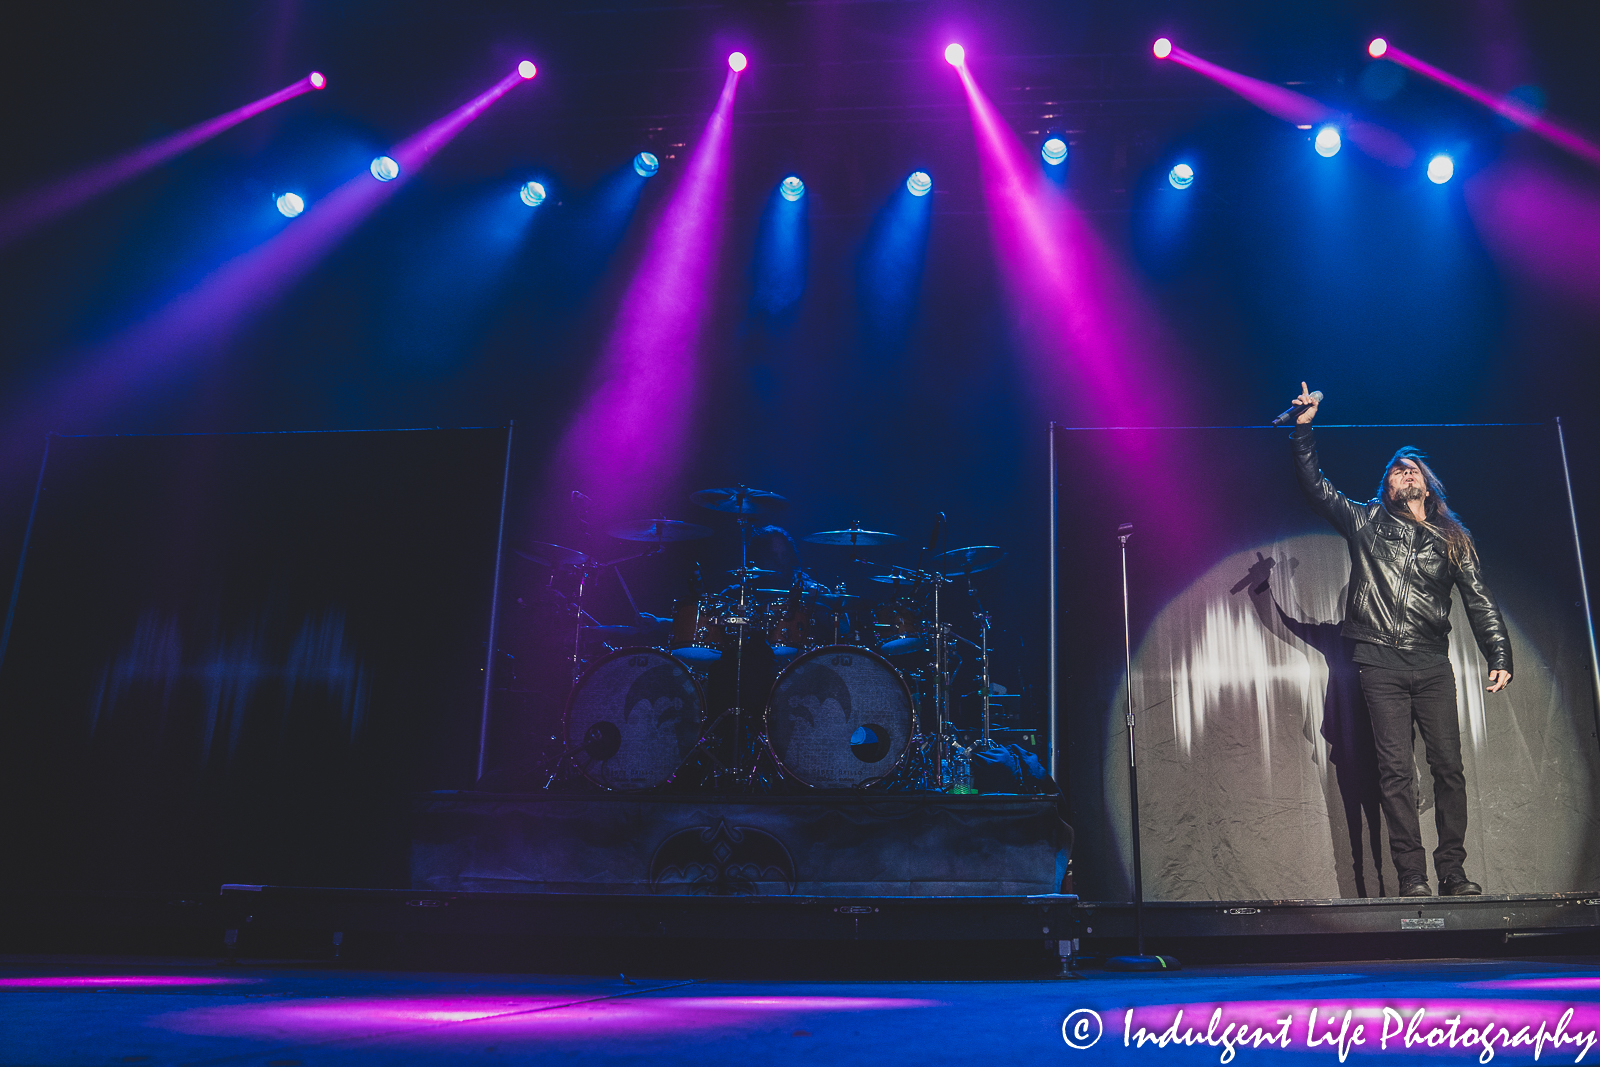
{"points": [[68, 1011]]}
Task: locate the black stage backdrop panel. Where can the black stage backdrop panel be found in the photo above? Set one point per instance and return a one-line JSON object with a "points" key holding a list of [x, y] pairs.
{"points": [[1256, 768], [235, 656]]}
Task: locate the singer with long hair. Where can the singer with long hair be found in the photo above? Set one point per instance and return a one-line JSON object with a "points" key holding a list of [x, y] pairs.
{"points": [[1408, 551]]}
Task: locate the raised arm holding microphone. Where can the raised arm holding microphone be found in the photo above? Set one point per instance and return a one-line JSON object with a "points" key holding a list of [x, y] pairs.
{"points": [[1407, 551]]}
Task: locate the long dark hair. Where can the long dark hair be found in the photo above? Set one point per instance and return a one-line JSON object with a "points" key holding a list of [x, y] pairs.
{"points": [[1440, 521]]}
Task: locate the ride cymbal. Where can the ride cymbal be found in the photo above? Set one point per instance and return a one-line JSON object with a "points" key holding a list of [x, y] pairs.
{"points": [[549, 555], [661, 531], [740, 500], [970, 560], [855, 535]]}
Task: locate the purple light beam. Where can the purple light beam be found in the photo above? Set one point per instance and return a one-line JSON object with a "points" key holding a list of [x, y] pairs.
{"points": [[206, 316], [1379, 143], [632, 433], [1084, 325], [1519, 113], [1543, 226], [31, 210]]}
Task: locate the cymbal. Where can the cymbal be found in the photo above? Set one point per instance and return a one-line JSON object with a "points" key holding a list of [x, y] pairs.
{"points": [[614, 631], [552, 555], [855, 535], [971, 560], [834, 598], [740, 500], [660, 531], [895, 579], [752, 570]]}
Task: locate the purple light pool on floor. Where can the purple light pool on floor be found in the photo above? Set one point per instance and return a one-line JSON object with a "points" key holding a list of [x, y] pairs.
{"points": [[332, 1018]]}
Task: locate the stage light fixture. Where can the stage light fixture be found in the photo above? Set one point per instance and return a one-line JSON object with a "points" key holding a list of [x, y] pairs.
{"points": [[1327, 142], [532, 194], [385, 169], [792, 188], [955, 55], [1181, 176], [289, 205], [317, 80], [646, 164], [1162, 48], [1440, 169], [1054, 151], [919, 184], [737, 62], [527, 69], [1377, 48]]}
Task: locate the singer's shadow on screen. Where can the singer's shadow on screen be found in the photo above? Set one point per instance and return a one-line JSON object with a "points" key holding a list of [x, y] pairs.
{"points": [[1355, 823]]}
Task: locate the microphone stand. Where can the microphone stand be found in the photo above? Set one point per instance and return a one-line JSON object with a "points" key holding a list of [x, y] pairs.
{"points": [[1139, 961]]}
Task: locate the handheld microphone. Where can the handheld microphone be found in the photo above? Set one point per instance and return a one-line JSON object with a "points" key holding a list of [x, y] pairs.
{"points": [[1295, 409]]}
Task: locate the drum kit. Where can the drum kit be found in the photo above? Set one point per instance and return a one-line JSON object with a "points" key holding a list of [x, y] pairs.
{"points": [[860, 687]]}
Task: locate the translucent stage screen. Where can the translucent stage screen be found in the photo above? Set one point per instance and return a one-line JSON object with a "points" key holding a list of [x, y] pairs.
{"points": [[1258, 778]]}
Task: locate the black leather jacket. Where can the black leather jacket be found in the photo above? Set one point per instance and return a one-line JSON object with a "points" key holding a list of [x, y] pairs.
{"points": [[1400, 575]]}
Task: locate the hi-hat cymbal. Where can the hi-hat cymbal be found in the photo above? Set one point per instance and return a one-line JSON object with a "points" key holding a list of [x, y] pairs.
{"points": [[971, 560], [896, 579], [740, 500], [855, 535], [660, 531], [751, 570], [552, 555]]}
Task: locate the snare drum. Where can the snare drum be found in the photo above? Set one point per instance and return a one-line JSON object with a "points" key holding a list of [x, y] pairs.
{"points": [[794, 624], [898, 627], [699, 627]]}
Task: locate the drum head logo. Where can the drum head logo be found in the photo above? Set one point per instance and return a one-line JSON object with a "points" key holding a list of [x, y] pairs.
{"points": [[805, 698], [721, 860]]}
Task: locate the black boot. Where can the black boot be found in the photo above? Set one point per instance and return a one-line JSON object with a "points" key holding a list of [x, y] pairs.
{"points": [[1456, 885], [1415, 886]]}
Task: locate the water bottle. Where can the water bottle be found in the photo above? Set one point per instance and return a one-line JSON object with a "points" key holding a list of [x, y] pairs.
{"points": [[961, 773]]}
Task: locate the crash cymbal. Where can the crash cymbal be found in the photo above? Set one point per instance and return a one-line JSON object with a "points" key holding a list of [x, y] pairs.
{"points": [[896, 579], [971, 560], [549, 555], [661, 531], [855, 535], [740, 500]]}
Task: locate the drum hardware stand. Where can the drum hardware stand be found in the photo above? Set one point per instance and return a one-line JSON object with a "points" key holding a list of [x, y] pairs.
{"points": [[585, 570], [983, 633], [742, 769], [598, 739], [1139, 961]]}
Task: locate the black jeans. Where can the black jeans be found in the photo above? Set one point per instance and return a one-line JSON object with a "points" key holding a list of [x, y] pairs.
{"points": [[1395, 700]]}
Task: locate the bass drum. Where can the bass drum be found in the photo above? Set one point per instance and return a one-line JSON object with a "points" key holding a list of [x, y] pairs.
{"points": [[839, 716], [633, 718]]}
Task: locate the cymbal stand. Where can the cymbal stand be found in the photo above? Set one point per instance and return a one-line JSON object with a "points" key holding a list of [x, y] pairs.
{"points": [[586, 570], [741, 766], [941, 685]]}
